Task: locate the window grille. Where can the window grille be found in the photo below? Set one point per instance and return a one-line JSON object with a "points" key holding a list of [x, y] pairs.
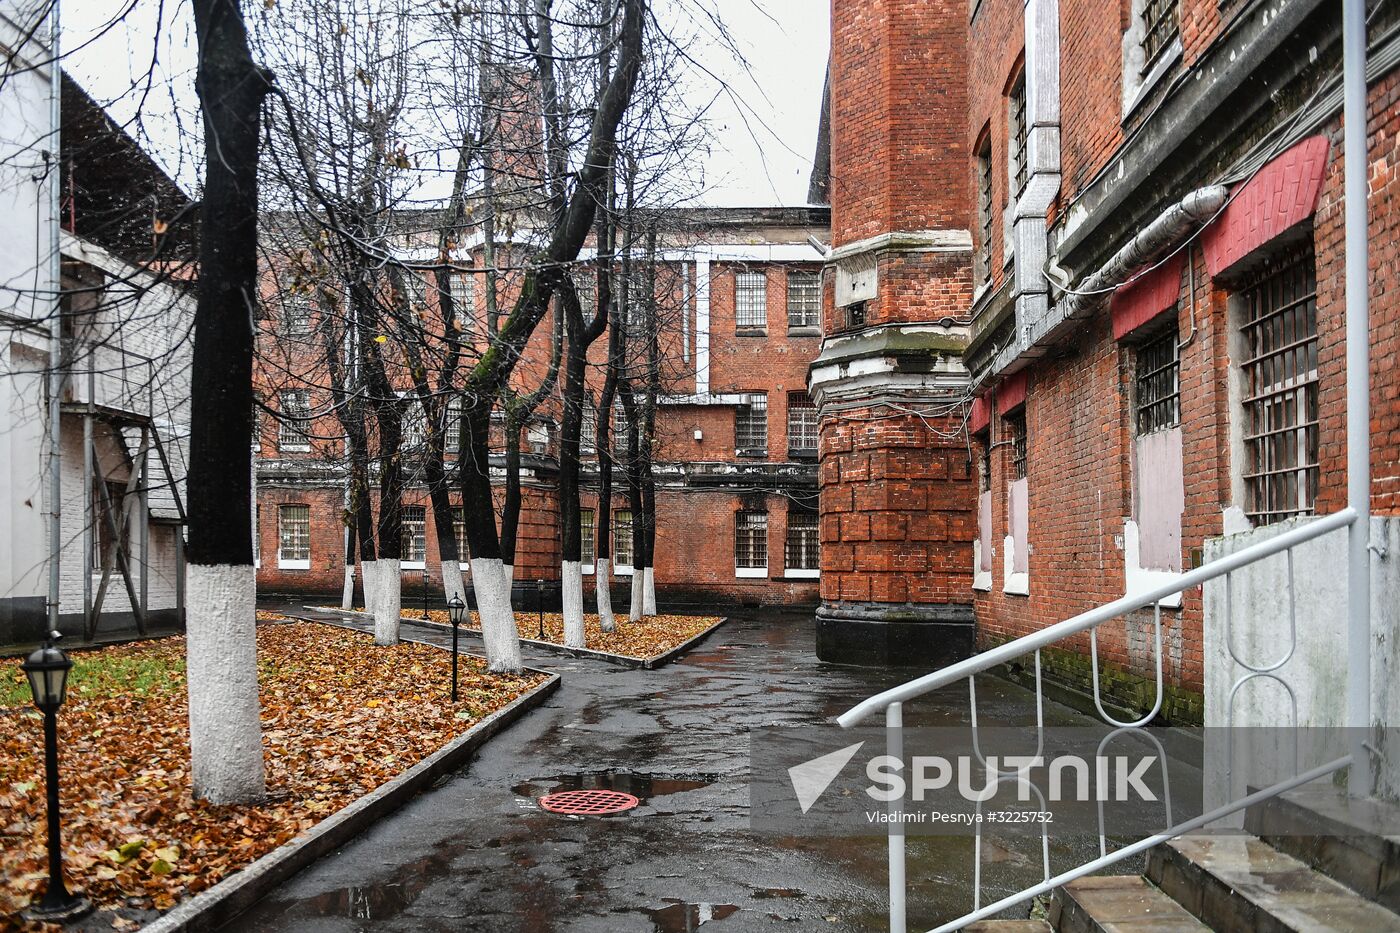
{"points": [[751, 301], [463, 288], [751, 423], [984, 211], [414, 427], [459, 531], [1158, 384], [294, 533], [751, 540], [1281, 386], [1161, 22], [452, 430], [804, 299], [1016, 424], [586, 283], [1018, 134], [620, 427], [802, 423], [587, 554], [855, 314], [622, 538], [984, 462], [803, 548], [414, 529], [296, 315], [292, 431], [588, 429]]}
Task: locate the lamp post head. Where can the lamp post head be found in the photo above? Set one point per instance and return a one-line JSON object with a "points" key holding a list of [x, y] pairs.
{"points": [[47, 669], [456, 609]]}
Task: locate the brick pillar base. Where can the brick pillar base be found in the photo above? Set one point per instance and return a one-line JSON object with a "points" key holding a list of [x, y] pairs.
{"points": [[897, 525]]}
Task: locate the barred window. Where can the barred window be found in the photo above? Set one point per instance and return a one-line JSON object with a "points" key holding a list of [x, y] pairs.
{"points": [[414, 426], [1161, 23], [452, 430], [751, 540], [459, 531], [620, 427], [586, 283], [984, 461], [751, 301], [801, 422], [588, 429], [1158, 384], [751, 423], [804, 299], [1017, 133], [622, 538], [802, 551], [1016, 427], [296, 315], [463, 289], [294, 534], [587, 554], [1280, 376], [414, 529], [293, 428], [984, 211]]}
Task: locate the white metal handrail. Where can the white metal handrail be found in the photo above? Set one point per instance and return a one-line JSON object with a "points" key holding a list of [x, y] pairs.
{"points": [[1086, 621]]}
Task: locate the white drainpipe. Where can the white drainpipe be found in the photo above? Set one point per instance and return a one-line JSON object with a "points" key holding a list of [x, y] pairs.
{"points": [[1031, 239]]}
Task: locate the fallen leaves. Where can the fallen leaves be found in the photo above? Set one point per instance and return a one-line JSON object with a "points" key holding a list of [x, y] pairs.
{"points": [[340, 717], [648, 638]]}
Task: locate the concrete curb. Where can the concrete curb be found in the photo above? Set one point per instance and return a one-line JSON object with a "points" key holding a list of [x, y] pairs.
{"points": [[621, 660], [236, 893]]}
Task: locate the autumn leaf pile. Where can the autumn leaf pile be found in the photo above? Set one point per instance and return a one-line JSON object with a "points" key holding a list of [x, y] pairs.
{"points": [[339, 715], [648, 638]]}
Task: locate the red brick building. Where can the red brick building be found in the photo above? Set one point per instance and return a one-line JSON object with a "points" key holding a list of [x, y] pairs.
{"points": [[1129, 215], [736, 432]]}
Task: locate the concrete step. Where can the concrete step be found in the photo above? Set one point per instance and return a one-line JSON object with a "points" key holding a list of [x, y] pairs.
{"points": [[1119, 904], [1340, 836], [1241, 883], [1008, 926]]}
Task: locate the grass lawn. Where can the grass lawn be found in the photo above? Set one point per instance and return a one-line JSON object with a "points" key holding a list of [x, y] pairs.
{"points": [[648, 638], [339, 715]]}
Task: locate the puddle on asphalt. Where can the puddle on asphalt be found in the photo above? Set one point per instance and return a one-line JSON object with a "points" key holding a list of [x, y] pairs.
{"points": [[767, 893], [682, 917], [362, 903], [639, 785]]}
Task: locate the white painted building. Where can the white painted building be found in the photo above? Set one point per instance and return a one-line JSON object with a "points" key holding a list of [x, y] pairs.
{"points": [[124, 323]]}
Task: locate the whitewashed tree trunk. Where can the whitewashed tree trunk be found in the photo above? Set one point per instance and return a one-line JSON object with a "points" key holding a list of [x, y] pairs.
{"points": [[498, 629], [347, 593], [369, 572], [649, 592], [386, 614], [221, 648], [634, 611], [452, 583], [600, 589], [572, 595]]}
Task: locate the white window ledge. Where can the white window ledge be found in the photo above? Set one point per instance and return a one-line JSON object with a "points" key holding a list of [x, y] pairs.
{"points": [[293, 448], [293, 564], [587, 570], [1014, 584], [751, 573], [622, 570], [799, 573], [412, 565]]}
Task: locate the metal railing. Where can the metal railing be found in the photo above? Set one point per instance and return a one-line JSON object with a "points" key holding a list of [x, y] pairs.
{"points": [[892, 703]]}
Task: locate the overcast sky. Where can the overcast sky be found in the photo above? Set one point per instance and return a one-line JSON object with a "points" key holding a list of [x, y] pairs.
{"points": [[765, 118]]}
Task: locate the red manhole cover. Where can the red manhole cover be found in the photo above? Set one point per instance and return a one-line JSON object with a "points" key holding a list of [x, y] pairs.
{"points": [[588, 802]]}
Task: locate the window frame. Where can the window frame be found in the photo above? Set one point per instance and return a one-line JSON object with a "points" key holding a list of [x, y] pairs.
{"points": [[1156, 41], [1270, 348], [1018, 441], [985, 212], [411, 529], [757, 534], [801, 402], [808, 303], [283, 561], [749, 426], [459, 533], [808, 523], [1017, 138], [588, 540], [622, 542], [1157, 382], [294, 436], [755, 285], [462, 288]]}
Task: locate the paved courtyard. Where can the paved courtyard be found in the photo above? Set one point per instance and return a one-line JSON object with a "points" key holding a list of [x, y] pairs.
{"points": [[476, 853]]}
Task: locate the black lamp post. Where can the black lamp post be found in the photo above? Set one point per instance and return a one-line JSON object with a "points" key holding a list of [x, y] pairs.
{"points": [[456, 609], [47, 669], [539, 604]]}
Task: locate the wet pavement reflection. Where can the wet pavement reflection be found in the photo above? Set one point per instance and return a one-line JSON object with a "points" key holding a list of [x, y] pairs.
{"points": [[477, 852]]}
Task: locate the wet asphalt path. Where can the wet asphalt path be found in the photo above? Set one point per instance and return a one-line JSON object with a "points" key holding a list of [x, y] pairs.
{"points": [[476, 853]]}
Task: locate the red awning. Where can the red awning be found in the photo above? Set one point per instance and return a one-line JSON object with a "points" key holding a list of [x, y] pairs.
{"points": [[1281, 195], [1011, 393], [980, 416], [1147, 296]]}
